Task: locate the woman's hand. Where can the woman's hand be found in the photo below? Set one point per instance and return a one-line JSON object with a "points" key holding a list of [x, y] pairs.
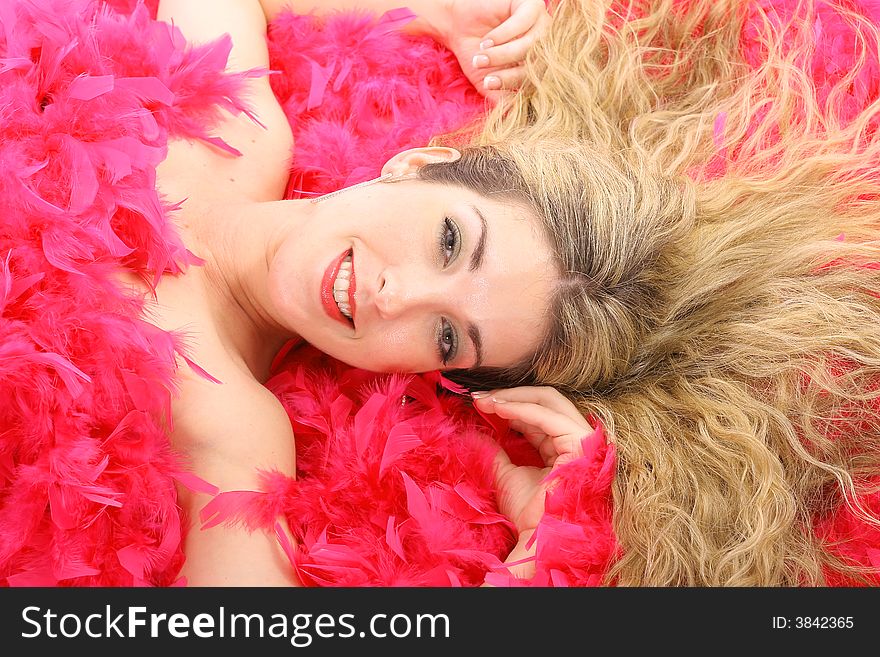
{"points": [[490, 38], [555, 427]]}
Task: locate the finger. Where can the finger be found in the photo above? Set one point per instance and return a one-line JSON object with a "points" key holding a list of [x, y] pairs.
{"points": [[542, 443], [556, 450], [545, 419], [521, 427], [506, 53], [552, 449], [521, 20], [547, 450], [567, 448], [507, 78], [543, 395]]}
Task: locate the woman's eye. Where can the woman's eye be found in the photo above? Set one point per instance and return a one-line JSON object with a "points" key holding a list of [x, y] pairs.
{"points": [[447, 342], [449, 241]]}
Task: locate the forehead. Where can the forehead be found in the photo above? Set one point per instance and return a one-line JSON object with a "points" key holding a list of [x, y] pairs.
{"points": [[509, 295]]}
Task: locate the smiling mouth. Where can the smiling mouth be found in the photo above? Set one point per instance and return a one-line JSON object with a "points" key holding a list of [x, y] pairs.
{"points": [[338, 289], [343, 288]]}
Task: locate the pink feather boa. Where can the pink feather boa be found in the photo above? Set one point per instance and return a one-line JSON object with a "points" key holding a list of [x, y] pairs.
{"points": [[395, 486], [88, 99], [388, 493]]}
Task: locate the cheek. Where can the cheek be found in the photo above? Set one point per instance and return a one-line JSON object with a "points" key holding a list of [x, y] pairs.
{"points": [[391, 349], [395, 339]]}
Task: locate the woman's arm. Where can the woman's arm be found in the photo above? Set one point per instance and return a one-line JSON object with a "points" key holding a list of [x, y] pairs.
{"points": [[490, 38], [262, 171], [241, 428], [205, 20], [433, 15]]}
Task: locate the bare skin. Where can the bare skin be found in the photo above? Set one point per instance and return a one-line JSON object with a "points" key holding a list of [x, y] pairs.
{"points": [[231, 430]]}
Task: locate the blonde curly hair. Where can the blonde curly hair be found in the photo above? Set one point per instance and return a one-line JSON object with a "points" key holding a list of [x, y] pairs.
{"points": [[716, 225]]}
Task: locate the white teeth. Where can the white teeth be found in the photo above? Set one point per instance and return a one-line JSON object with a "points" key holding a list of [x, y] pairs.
{"points": [[341, 285]]}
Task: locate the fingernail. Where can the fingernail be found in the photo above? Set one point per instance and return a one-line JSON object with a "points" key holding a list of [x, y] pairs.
{"points": [[491, 82], [498, 401], [485, 45], [479, 394], [480, 61]]}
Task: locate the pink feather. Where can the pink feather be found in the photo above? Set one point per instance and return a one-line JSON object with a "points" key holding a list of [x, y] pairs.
{"points": [[386, 494], [400, 440], [198, 369], [88, 87]]}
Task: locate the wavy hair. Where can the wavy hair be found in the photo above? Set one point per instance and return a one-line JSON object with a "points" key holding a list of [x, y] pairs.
{"points": [[715, 224]]}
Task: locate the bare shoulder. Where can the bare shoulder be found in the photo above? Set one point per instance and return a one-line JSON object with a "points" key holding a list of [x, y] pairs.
{"points": [[222, 418], [233, 429]]}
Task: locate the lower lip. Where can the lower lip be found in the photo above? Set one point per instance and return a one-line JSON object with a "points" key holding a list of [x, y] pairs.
{"points": [[327, 299]]}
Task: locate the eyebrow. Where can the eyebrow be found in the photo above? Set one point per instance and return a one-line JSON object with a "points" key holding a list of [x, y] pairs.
{"points": [[474, 334], [476, 262], [480, 248]]}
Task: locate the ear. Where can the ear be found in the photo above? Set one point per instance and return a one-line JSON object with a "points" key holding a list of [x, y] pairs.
{"points": [[410, 161]]}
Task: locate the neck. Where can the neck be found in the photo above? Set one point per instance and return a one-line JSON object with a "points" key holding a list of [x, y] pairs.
{"points": [[239, 243]]}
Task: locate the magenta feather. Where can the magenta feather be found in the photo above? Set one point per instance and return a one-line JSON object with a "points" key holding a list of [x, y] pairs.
{"points": [[387, 493]]}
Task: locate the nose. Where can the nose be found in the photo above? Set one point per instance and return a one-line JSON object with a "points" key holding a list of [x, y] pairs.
{"points": [[399, 292]]}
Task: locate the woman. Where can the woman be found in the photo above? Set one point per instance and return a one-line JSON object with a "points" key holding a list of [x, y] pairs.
{"points": [[711, 322], [280, 269]]}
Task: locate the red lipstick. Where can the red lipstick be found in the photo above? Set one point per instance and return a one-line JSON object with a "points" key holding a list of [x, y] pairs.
{"points": [[327, 299]]}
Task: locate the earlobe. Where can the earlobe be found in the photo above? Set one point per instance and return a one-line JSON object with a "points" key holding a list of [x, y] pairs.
{"points": [[408, 162]]}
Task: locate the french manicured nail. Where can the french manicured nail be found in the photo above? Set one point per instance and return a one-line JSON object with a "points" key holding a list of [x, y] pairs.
{"points": [[481, 61], [499, 401], [479, 394], [485, 45], [491, 82]]}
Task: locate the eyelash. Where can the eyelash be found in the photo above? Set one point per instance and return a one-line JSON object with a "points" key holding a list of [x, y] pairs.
{"points": [[446, 335], [446, 331], [449, 228]]}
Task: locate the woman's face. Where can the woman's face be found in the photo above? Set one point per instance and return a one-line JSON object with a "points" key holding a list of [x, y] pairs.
{"points": [[432, 277]]}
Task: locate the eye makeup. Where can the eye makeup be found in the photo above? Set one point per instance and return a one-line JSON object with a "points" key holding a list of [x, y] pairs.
{"points": [[450, 247], [447, 342], [450, 241]]}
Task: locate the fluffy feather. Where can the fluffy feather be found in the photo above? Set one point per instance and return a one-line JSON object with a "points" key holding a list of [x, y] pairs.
{"points": [[88, 99], [387, 493]]}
